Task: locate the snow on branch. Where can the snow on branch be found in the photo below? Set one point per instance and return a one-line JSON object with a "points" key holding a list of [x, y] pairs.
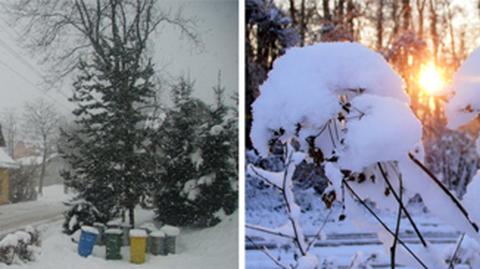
{"points": [[292, 229], [464, 106]]}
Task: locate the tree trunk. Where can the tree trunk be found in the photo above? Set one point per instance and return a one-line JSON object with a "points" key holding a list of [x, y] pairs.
{"points": [[452, 34], [396, 23], [407, 14], [339, 11], [420, 8], [380, 25], [303, 24], [292, 12], [131, 216], [326, 10], [350, 17], [44, 164], [433, 30]]}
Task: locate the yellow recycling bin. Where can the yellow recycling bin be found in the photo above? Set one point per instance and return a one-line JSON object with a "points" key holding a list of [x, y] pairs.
{"points": [[138, 244]]}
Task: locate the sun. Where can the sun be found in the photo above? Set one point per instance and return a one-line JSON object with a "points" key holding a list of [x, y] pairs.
{"points": [[430, 79]]}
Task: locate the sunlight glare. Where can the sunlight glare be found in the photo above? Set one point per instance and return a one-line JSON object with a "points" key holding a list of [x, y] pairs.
{"points": [[430, 79]]}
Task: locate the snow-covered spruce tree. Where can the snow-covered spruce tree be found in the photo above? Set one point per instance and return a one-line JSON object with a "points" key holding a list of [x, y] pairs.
{"points": [[198, 178], [218, 178], [109, 164], [345, 108], [180, 159]]}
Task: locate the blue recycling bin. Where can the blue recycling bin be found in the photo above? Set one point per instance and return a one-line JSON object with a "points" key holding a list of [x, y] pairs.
{"points": [[88, 237]]}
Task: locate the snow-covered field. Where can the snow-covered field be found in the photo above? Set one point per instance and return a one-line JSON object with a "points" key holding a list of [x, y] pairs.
{"points": [[215, 247]]}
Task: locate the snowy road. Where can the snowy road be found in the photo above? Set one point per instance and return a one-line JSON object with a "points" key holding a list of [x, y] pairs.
{"points": [[15, 216], [46, 209]]}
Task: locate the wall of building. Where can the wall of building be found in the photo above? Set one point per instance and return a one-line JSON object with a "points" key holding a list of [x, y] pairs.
{"points": [[4, 186]]}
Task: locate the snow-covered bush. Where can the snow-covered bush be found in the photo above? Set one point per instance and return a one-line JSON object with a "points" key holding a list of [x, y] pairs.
{"points": [[22, 183], [464, 106], [81, 213], [19, 247], [344, 107]]}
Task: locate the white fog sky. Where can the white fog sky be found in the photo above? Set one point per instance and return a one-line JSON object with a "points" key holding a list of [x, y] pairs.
{"points": [[217, 22]]}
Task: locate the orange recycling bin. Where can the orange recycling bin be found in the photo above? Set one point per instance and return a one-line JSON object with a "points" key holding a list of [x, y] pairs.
{"points": [[138, 244]]}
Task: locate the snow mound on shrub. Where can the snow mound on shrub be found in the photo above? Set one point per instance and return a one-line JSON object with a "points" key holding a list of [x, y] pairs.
{"points": [[465, 104], [312, 86], [376, 135]]}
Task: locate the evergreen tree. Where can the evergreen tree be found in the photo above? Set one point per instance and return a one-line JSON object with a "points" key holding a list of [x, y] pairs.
{"points": [[175, 143], [109, 163], [198, 173], [218, 177]]}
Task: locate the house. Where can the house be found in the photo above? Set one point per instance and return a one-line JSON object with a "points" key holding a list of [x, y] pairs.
{"points": [[24, 149], [6, 163], [54, 165]]}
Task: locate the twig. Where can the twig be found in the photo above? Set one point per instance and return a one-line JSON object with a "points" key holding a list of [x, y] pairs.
{"points": [[399, 200], [322, 129], [268, 231], [445, 190], [397, 229], [266, 252], [457, 248], [298, 236], [335, 127], [264, 178], [359, 199], [331, 136], [317, 235]]}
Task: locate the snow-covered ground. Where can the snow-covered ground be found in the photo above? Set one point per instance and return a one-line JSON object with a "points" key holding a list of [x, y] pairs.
{"points": [[213, 248], [343, 240], [47, 208], [336, 257]]}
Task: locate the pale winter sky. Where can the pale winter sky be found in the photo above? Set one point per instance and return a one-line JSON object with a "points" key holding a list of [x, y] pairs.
{"points": [[217, 22]]}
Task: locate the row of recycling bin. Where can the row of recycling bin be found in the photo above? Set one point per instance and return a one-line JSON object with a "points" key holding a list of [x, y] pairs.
{"points": [[141, 241]]}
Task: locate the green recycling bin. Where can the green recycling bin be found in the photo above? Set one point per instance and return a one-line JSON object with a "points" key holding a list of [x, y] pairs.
{"points": [[157, 243], [171, 234], [113, 244], [101, 233]]}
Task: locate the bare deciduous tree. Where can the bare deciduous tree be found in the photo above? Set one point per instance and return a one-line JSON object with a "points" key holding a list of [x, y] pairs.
{"points": [[66, 31], [41, 124], [10, 128]]}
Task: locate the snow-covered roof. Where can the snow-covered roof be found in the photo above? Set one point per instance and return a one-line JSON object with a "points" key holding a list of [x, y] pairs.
{"points": [[34, 160], [5, 160], [29, 160]]}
